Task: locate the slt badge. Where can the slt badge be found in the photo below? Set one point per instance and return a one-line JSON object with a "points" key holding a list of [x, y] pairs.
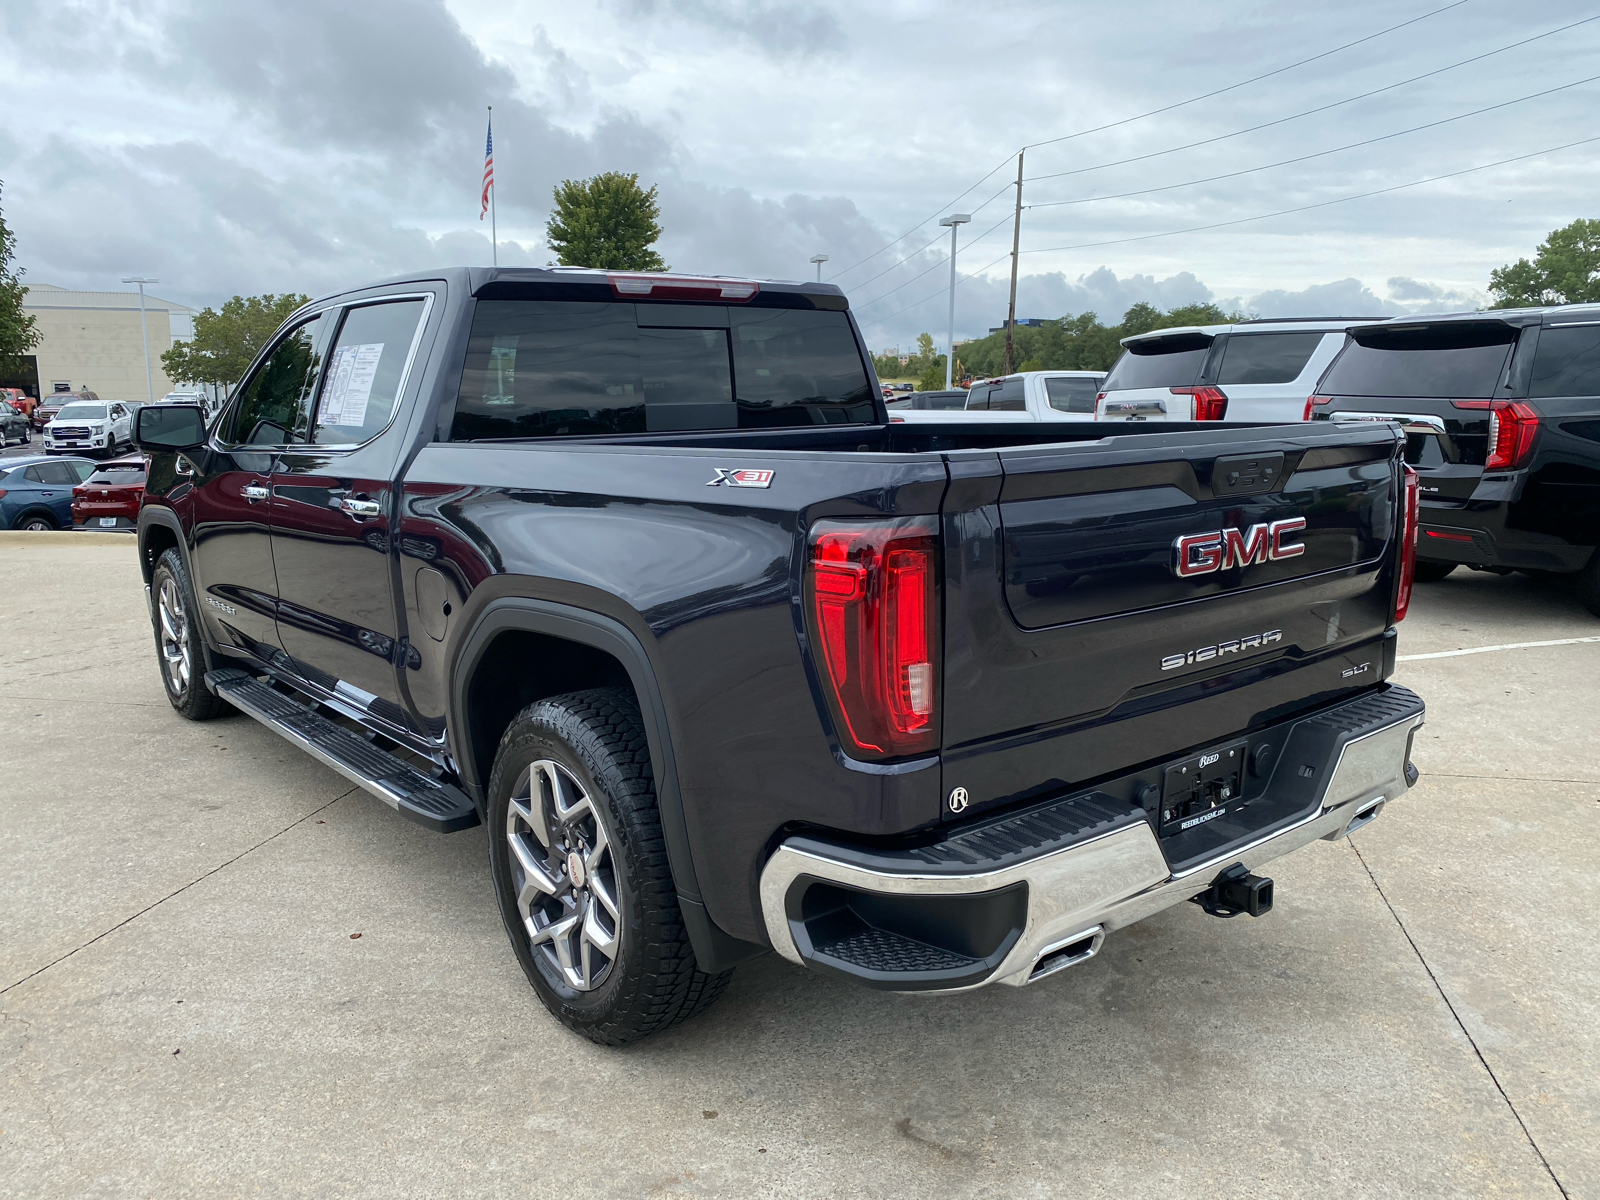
{"points": [[1202, 553], [742, 477]]}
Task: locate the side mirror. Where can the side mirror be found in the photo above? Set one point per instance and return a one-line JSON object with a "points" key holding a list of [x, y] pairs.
{"points": [[170, 427]]}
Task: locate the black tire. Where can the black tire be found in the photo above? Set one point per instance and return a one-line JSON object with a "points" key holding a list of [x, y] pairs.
{"points": [[171, 593], [35, 522], [1432, 572], [1587, 583], [653, 981]]}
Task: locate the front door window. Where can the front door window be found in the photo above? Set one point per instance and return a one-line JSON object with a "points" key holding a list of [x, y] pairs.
{"points": [[271, 408]]}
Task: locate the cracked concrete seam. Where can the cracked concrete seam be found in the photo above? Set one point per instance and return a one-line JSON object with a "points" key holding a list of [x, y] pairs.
{"points": [[178, 892], [1460, 1024]]}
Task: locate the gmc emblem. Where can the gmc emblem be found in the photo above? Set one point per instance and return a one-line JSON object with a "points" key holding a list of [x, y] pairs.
{"points": [[1202, 553]]}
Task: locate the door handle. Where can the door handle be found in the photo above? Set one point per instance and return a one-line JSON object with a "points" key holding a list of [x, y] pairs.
{"points": [[360, 507], [255, 491]]}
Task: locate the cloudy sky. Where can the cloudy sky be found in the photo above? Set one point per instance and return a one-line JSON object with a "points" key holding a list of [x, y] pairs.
{"points": [[306, 145]]}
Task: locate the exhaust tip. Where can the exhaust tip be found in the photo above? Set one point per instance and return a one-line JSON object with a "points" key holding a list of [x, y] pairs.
{"points": [[1079, 949]]}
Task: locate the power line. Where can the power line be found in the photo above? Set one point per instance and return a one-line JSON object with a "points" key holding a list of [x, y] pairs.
{"points": [[1234, 86], [1318, 154], [1320, 204], [1310, 111], [1141, 116], [936, 237], [936, 265], [1244, 220]]}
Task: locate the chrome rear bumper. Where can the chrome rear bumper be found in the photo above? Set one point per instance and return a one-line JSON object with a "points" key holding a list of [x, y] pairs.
{"points": [[1076, 895]]}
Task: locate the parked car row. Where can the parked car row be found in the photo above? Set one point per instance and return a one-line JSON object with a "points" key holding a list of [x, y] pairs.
{"points": [[42, 493], [1501, 411]]}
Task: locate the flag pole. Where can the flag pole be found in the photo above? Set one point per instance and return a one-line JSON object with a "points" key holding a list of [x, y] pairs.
{"points": [[494, 233]]}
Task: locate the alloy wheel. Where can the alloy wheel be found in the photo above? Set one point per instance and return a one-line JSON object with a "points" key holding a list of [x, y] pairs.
{"points": [[564, 875], [175, 658]]}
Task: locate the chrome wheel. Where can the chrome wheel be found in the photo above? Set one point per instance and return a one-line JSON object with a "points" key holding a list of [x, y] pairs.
{"points": [[175, 657], [563, 875]]}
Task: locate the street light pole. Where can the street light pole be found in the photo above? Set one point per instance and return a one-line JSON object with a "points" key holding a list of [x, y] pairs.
{"points": [[954, 220], [819, 259], [144, 333]]}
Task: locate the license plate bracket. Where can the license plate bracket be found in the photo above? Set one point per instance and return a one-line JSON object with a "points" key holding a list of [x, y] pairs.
{"points": [[1203, 788]]}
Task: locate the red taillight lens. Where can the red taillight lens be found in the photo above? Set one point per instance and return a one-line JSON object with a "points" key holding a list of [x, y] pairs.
{"points": [[79, 491], [1205, 403], [1511, 431], [2, 493], [872, 593], [1512, 426], [1411, 518]]}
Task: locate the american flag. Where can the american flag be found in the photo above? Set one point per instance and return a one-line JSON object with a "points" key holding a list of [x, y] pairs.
{"points": [[488, 169]]}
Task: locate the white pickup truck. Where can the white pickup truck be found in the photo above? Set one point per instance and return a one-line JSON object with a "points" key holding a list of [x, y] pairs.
{"points": [[1024, 396]]}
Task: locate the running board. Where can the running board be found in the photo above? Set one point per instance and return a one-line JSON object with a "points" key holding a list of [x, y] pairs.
{"points": [[417, 797]]}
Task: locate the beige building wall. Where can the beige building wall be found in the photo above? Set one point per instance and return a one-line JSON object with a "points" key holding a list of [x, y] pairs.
{"points": [[92, 340]]}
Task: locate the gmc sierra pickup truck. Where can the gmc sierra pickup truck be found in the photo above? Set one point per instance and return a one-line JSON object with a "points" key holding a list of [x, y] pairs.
{"points": [[633, 569]]}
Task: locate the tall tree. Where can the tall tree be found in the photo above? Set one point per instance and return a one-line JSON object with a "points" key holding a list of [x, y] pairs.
{"points": [[17, 332], [225, 342], [1564, 270], [608, 222]]}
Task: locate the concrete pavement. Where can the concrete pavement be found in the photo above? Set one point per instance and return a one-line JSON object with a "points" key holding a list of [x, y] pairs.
{"points": [[187, 1013]]}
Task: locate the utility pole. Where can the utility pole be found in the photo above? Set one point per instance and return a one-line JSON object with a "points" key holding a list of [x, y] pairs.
{"points": [[144, 333], [954, 220], [819, 259], [1016, 239]]}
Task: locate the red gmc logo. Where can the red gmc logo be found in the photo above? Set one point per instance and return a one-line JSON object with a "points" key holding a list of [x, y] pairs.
{"points": [[1202, 553]]}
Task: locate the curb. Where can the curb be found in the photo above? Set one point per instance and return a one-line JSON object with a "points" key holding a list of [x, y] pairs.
{"points": [[18, 539]]}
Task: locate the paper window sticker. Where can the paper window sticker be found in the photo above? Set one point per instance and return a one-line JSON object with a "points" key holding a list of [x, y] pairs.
{"points": [[333, 392], [363, 372]]}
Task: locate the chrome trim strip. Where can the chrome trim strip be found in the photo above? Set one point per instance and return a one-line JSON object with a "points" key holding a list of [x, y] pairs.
{"points": [[1410, 422], [1112, 880]]}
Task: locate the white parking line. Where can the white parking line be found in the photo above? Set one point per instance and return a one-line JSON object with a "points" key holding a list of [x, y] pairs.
{"points": [[1488, 649]]}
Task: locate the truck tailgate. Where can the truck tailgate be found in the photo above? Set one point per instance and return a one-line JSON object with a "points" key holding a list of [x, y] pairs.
{"points": [[1079, 644]]}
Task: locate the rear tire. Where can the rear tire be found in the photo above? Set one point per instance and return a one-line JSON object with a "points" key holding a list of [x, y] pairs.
{"points": [[1432, 572], [180, 646], [35, 522], [580, 871]]}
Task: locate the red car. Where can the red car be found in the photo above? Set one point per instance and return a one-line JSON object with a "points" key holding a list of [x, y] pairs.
{"points": [[109, 499]]}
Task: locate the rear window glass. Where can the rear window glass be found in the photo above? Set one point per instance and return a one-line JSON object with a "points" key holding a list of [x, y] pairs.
{"points": [[1071, 395], [118, 475], [1171, 362], [1568, 361], [1463, 360], [1008, 397], [1266, 357], [539, 368]]}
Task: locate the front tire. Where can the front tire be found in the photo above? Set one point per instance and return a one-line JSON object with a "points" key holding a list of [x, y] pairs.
{"points": [[580, 871], [180, 646]]}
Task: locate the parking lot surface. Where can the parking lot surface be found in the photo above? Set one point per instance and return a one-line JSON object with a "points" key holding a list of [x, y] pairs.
{"points": [[225, 972]]}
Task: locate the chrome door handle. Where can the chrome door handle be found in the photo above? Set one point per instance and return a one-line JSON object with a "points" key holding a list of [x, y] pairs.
{"points": [[360, 508], [255, 491], [183, 466]]}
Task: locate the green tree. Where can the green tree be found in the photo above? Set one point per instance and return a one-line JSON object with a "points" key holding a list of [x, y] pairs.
{"points": [[1564, 270], [17, 332], [608, 222], [225, 342]]}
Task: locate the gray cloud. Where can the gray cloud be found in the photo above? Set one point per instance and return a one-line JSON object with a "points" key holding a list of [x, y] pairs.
{"points": [[775, 29]]}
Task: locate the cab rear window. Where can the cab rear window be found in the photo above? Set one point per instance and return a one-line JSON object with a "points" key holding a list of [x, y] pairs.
{"points": [[546, 368], [1457, 359]]}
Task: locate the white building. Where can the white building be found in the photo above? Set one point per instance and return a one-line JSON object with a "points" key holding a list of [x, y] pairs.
{"points": [[93, 340]]}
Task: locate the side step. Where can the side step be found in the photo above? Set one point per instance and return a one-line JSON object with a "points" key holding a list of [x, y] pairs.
{"points": [[417, 797]]}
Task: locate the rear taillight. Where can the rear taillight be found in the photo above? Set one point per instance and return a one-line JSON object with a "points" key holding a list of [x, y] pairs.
{"points": [[2, 493], [1205, 403], [1512, 426], [79, 491], [1410, 514], [872, 595]]}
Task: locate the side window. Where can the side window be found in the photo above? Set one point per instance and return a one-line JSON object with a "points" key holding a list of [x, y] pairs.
{"points": [[54, 474], [1567, 362], [270, 403], [1008, 397], [362, 382], [1266, 357], [1071, 395], [82, 470], [35, 474]]}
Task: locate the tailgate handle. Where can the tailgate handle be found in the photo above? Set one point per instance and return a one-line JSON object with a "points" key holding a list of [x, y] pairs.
{"points": [[1246, 474], [1410, 422]]}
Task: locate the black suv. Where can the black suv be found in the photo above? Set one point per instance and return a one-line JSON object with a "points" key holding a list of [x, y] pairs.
{"points": [[1501, 412]]}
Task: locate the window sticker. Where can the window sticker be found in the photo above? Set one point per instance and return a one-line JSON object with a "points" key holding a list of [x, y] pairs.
{"points": [[350, 384]]}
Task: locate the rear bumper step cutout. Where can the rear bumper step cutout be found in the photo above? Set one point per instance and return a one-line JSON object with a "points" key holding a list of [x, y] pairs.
{"points": [[429, 802]]}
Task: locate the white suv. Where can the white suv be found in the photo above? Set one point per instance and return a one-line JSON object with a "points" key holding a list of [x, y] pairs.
{"points": [[97, 426], [1252, 371]]}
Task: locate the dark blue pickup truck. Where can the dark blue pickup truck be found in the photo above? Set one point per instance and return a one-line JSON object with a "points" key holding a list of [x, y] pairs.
{"points": [[634, 569]]}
